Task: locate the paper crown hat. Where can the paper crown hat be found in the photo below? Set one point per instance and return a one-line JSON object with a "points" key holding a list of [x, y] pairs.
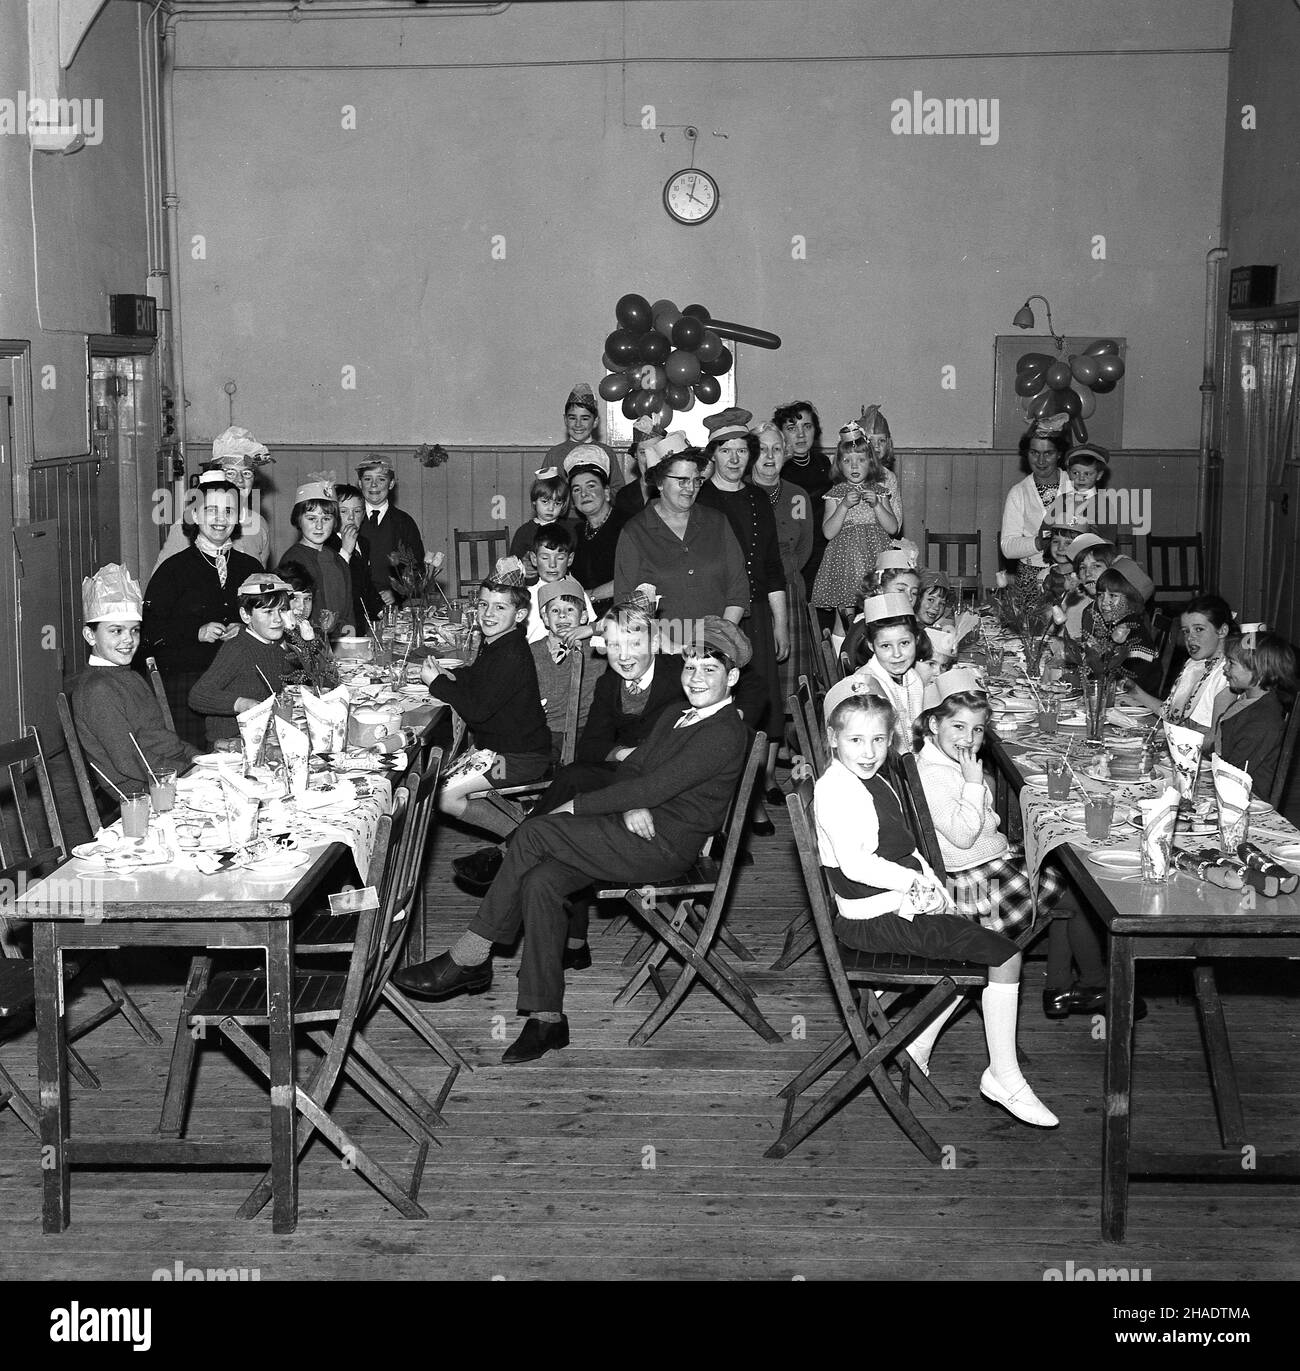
{"points": [[955, 682], [376, 461], [509, 571], [1250, 634], [546, 473], [1134, 575], [931, 578], [660, 449], [553, 590], [728, 423], [853, 432], [890, 605], [849, 688], [943, 641], [112, 596], [719, 635], [1082, 543], [318, 487], [895, 559], [583, 395], [264, 583], [645, 598], [237, 447], [587, 455], [213, 476]]}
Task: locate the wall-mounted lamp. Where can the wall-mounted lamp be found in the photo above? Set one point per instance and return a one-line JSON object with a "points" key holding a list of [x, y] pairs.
{"points": [[1025, 319]]}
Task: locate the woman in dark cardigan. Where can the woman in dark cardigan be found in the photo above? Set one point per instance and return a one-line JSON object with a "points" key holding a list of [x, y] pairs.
{"points": [[191, 605], [599, 523], [733, 449]]}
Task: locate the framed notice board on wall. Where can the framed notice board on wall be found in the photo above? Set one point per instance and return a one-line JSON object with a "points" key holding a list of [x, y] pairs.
{"points": [[1105, 424]]}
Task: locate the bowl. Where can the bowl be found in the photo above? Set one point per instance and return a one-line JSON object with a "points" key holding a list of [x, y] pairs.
{"points": [[354, 649]]}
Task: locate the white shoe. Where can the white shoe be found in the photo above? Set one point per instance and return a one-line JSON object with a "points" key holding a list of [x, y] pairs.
{"points": [[1021, 1104]]}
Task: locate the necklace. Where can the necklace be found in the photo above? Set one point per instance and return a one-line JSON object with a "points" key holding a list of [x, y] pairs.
{"points": [[773, 492], [589, 530]]}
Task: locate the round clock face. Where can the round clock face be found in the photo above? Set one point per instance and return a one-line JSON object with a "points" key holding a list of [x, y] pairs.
{"points": [[691, 196]]}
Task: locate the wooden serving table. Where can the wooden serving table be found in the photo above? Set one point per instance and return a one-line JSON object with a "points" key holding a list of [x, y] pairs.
{"points": [[1184, 919]]}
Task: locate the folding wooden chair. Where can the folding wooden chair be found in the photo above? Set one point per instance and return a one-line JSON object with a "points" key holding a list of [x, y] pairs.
{"points": [[818, 654], [1287, 755], [477, 552], [833, 667], [679, 925], [160, 694], [800, 934], [235, 1002], [875, 1040], [94, 817], [21, 850], [1175, 563], [961, 552]]}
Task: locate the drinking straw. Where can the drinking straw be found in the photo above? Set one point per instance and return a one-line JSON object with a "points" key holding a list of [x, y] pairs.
{"points": [[269, 686], [113, 783], [143, 758]]}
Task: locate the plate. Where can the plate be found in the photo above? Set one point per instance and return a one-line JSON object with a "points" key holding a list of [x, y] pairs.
{"points": [[276, 866], [1117, 859], [1037, 779], [216, 760], [1286, 852], [414, 692]]}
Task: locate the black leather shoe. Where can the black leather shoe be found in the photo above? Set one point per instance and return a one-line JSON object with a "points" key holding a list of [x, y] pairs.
{"points": [[774, 795], [441, 978], [1057, 1003], [1092, 1000], [479, 868], [762, 828], [536, 1040], [577, 958]]}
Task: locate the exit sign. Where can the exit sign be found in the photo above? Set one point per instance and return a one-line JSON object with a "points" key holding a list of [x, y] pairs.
{"points": [[134, 316]]}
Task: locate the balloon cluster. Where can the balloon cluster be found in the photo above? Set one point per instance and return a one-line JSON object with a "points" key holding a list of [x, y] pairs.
{"points": [[1047, 384], [663, 359]]}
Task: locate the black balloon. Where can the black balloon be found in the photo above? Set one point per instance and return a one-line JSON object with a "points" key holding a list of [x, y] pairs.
{"points": [[720, 364], [688, 332], [1103, 387], [633, 313], [654, 347], [630, 410], [1042, 360], [614, 387], [679, 397], [697, 312], [707, 390], [709, 348], [622, 347]]}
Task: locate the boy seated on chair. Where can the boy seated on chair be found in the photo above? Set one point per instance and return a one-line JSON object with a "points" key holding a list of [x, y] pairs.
{"points": [[626, 700], [498, 697], [551, 557], [111, 703], [646, 826]]}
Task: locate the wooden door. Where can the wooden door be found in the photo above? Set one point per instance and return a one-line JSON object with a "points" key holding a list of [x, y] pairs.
{"points": [[40, 618]]}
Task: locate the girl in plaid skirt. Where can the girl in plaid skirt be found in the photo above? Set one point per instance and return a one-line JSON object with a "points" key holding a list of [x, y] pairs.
{"points": [[987, 877]]}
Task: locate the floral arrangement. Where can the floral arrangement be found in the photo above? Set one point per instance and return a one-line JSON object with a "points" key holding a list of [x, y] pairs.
{"points": [[1023, 611], [1100, 655], [410, 577], [432, 455]]}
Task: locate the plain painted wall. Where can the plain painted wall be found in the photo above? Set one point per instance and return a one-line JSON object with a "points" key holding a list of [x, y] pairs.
{"points": [[72, 228], [325, 248]]}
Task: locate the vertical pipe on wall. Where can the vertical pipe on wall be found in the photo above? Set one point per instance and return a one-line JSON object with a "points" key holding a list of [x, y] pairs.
{"points": [[171, 205], [1208, 490]]}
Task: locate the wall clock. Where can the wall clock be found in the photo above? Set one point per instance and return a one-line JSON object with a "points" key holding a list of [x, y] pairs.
{"points": [[691, 196]]}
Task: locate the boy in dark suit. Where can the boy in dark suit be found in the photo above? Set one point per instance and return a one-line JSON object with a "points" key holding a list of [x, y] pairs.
{"points": [[386, 527], [647, 825]]}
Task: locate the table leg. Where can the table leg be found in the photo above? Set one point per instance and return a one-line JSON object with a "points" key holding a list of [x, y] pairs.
{"points": [[1218, 1053], [1116, 1089], [284, 1142], [52, 1075]]}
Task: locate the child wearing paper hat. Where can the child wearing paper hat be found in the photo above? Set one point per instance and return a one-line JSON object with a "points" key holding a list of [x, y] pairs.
{"points": [[889, 899], [1119, 616], [582, 429], [563, 612], [315, 515], [1249, 720], [892, 634], [111, 703], [387, 529]]}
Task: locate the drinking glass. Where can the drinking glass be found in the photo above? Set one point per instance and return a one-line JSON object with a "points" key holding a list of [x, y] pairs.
{"points": [[1058, 779], [135, 814], [1047, 718], [162, 792], [1098, 810]]}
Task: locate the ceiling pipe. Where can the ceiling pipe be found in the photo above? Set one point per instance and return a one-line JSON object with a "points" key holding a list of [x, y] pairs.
{"points": [[333, 9], [1207, 491]]}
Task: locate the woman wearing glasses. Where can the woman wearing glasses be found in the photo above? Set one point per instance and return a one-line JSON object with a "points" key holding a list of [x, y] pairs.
{"points": [[686, 551]]}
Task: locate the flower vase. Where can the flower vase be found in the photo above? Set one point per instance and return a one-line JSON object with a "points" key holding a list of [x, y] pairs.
{"points": [[1094, 705], [1033, 656]]}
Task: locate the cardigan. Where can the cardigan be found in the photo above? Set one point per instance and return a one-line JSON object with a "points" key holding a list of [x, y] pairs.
{"points": [[234, 675], [684, 776], [964, 818], [906, 696], [610, 725], [112, 704], [594, 557], [1023, 514], [498, 697], [1253, 735], [749, 512], [553, 684], [331, 579], [794, 527], [849, 840], [183, 595], [699, 574]]}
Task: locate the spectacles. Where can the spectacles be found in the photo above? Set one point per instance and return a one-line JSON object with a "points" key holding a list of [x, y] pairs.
{"points": [[695, 482]]}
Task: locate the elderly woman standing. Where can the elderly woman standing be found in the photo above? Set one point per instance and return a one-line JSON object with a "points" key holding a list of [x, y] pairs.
{"points": [[599, 523], [1027, 514]]}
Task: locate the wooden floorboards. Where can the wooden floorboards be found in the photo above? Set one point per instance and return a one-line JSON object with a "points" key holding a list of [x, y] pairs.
{"points": [[609, 1162]]}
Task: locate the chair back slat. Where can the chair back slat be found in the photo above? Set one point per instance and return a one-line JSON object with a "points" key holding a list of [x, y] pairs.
{"points": [[38, 840], [814, 729], [905, 776], [477, 552], [1285, 757], [156, 681], [1174, 563], [818, 656], [81, 773], [963, 549], [735, 828]]}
